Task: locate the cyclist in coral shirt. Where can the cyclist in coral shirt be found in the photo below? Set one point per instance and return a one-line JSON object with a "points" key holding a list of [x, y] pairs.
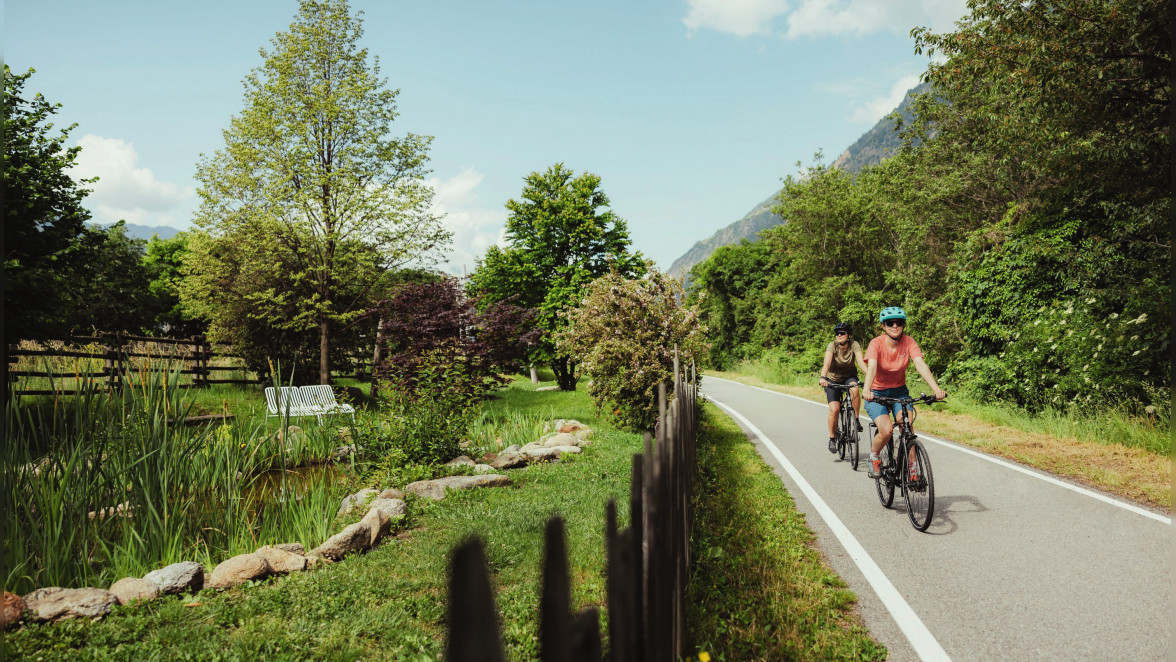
{"points": [[887, 358]]}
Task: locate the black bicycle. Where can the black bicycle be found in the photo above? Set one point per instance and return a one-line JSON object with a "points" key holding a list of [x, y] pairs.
{"points": [[848, 432], [912, 475]]}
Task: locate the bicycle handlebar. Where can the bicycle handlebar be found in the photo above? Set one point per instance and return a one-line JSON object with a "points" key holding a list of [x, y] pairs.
{"points": [[843, 387], [924, 398]]}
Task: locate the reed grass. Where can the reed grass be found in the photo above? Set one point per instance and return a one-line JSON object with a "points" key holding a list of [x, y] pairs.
{"points": [[110, 483]]}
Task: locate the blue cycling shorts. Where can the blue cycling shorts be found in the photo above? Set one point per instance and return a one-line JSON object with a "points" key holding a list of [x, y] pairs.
{"points": [[874, 410]]}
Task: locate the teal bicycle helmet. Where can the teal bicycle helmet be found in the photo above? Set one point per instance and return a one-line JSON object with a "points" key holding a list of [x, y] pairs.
{"points": [[892, 313]]}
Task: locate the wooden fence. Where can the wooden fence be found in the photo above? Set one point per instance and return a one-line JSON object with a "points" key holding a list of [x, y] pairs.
{"points": [[647, 565], [117, 352]]}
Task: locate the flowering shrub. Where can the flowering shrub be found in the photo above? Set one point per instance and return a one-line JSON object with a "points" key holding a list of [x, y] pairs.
{"points": [[1070, 354], [624, 333]]}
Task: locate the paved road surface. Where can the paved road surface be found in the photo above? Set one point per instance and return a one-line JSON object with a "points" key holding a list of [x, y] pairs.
{"points": [[1017, 565]]}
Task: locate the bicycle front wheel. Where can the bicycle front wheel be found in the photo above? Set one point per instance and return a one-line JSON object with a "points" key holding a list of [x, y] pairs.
{"points": [[885, 483], [919, 489], [854, 438]]}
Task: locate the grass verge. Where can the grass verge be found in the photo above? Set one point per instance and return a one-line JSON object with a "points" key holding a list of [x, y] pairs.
{"points": [[1108, 451], [388, 604], [758, 590]]}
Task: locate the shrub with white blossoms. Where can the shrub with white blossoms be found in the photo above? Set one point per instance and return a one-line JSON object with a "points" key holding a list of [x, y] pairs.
{"points": [[1113, 360], [624, 332]]}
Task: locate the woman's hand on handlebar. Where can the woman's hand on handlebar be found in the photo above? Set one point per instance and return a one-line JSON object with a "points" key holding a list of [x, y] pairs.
{"points": [[868, 394], [824, 383], [940, 394]]}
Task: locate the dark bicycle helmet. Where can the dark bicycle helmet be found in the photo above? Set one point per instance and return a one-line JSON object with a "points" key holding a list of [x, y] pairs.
{"points": [[892, 313], [841, 326]]}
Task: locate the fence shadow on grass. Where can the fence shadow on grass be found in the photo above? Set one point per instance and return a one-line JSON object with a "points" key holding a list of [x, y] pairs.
{"points": [[646, 569]]}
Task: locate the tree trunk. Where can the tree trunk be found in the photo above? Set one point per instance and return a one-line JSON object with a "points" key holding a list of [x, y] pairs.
{"points": [[324, 351], [377, 356], [534, 374], [565, 373]]}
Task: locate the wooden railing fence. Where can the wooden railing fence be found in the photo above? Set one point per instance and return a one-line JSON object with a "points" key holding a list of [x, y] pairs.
{"points": [[647, 565], [195, 354]]}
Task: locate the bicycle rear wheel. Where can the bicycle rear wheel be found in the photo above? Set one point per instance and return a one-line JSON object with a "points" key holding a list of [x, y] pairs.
{"points": [[920, 492], [885, 483], [854, 438]]}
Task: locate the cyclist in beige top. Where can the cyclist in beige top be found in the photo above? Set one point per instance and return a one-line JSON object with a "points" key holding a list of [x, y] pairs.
{"points": [[843, 357]]}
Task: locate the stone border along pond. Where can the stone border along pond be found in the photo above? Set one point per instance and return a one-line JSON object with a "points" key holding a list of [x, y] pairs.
{"points": [[54, 603]]}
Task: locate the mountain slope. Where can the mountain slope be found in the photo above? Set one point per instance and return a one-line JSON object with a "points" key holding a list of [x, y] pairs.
{"points": [[872, 147]]}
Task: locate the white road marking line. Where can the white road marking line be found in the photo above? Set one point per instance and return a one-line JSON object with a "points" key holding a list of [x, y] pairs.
{"points": [[984, 456], [908, 621]]}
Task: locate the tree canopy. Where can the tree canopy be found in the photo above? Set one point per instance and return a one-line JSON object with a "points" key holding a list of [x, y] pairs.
{"points": [[560, 236], [312, 201]]}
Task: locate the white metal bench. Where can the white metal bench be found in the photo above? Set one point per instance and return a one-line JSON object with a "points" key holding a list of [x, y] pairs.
{"points": [[286, 401], [322, 397]]}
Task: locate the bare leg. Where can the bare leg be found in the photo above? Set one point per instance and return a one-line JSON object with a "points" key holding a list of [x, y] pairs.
{"points": [[834, 410]]}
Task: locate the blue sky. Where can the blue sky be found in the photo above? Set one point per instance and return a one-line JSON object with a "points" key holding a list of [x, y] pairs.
{"points": [[690, 110]]}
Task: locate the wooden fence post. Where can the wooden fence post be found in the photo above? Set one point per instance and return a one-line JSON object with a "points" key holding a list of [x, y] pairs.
{"points": [[113, 365]]}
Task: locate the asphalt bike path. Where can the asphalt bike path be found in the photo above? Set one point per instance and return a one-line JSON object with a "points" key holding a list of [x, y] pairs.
{"points": [[1016, 565]]}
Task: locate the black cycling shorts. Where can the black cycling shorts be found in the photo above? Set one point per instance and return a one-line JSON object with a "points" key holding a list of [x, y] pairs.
{"points": [[831, 394]]}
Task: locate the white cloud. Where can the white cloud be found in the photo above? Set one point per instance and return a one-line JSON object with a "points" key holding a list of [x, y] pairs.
{"points": [[817, 18], [741, 18], [126, 191], [475, 228], [875, 109]]}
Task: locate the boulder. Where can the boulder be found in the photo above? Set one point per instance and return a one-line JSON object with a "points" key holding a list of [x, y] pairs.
{"points": [[562, 439], [357, 501], [566, 449], [480, 469], [282, 561], [461, 461], [533, 446], [570, 427], [354, 538], [394, 509], [509, 461], [178, 577], [238, 570], [12, 608], [392, 493], [542, 453], [314, 557], [294, 547], [130, 589], [513, 448], [378, 524], [343, 452], [548, 388], [57, 604], [435, 489]]}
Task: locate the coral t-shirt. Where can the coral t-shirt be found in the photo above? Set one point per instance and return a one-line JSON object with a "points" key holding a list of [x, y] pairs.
{"points": [[892, 363]]}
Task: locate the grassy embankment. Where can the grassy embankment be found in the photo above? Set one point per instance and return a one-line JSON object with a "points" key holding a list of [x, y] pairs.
{"points": [[1108, 450], [763, 595]]}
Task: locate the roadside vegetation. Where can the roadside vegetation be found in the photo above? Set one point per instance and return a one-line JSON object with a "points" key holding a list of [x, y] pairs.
{"points": [[759, 590]]}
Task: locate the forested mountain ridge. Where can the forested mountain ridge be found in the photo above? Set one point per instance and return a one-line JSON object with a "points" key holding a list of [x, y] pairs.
{"points": [[872, 147]]}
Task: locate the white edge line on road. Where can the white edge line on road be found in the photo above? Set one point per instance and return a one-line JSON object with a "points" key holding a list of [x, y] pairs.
{"points": [[908, 621], [984, 456]]}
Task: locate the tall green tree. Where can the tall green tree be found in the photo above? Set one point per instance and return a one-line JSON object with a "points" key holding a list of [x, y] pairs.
{"points": [[44, 220], [560, 236], [311, 196]]}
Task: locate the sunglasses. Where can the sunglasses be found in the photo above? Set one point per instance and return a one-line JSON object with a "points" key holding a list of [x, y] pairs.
{"points": [[894, 323], [841, 333]]}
